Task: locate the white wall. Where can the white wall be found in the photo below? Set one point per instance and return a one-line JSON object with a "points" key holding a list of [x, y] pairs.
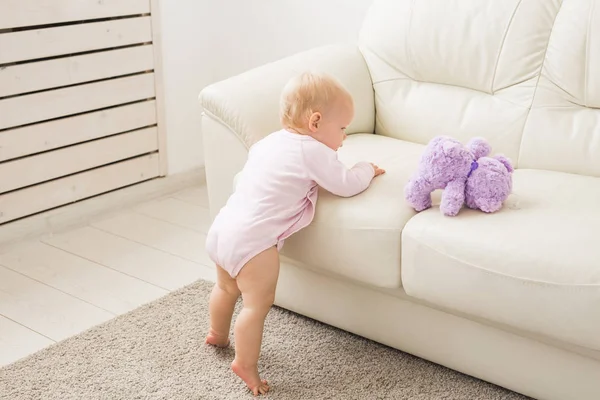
{"points": [[208, 40]]}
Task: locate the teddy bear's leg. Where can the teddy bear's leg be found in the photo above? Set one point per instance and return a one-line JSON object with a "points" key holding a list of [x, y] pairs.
{"points": [[453, 198], [489, 206], [470, 201], [418, 194]]}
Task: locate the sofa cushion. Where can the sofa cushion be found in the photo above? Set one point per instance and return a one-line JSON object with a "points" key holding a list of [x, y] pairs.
{"points": [[359, 237], [563, 127], [462, 68], [535, 265]]}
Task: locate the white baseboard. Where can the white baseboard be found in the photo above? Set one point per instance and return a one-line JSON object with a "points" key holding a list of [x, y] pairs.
{"points": [[83, 212]]}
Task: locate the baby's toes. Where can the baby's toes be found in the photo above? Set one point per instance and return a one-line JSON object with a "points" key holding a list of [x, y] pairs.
{"points": [[264, 389]]}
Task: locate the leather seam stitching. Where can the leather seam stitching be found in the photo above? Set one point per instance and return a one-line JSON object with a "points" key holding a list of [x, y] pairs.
{"points": [[453, 86], [529, 281], [512, 17], [587, 54], [537, 85], [219, 120], [407, 39]]}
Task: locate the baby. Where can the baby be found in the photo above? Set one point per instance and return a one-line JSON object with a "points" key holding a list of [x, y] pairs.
{"points": [[274, 198]]}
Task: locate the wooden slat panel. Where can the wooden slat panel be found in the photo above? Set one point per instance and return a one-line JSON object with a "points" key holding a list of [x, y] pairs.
{"points": [[159, 76], [76, 187], [35, 76], [50, 42], [54, 164], [64, 132], [21, 110], [20, 13]]}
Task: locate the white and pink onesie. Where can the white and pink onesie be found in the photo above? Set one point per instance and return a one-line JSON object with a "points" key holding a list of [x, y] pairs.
{"points": [[276, 196]]}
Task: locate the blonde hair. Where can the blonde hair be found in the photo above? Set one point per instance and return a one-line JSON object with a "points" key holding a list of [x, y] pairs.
{"points": [[306, 94]]}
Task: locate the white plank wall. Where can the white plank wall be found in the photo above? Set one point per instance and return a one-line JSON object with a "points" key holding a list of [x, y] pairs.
{"points": [[46, 166], [55, 193], [42, 137], [22, 110], [21, 13], [51, 42], [32, 77], [160, 90], [80, 112]]}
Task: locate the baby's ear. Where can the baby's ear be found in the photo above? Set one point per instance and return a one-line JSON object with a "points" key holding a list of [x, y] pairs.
{"points": [[506, 162], [314, 121]]}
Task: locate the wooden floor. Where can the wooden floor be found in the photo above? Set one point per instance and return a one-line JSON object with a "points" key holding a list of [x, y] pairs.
{"points": [[60, 285]]}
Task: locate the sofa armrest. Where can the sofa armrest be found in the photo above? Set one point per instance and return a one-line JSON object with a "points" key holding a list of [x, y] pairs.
{"points": [[248, 104]]}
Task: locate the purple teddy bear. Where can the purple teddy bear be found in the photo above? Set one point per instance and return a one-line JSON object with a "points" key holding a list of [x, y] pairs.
{"points": [[466, 174]]}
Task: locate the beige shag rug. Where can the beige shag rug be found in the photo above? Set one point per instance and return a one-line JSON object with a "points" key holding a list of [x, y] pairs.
{"points": [[157, 352]]}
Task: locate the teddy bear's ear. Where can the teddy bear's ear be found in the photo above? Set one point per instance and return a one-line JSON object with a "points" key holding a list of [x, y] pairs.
{"points": [[479, 147], [451, 147], [506, 162]]}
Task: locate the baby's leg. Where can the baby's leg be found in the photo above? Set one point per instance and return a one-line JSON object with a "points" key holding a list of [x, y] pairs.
{"points": [[489, 205], [257, 282], [222, 302]]}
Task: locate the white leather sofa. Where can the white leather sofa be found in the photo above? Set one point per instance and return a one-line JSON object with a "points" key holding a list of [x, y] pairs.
{"points": [[513, 297]]}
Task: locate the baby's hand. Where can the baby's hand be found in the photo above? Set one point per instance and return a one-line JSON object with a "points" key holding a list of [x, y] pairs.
{"points": [[378, 171]]}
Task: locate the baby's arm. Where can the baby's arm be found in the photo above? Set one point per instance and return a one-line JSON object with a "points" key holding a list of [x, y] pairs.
{"points": [[324, 168]]}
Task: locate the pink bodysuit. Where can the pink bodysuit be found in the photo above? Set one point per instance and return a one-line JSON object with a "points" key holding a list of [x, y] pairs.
{"points": [[276, 196]]}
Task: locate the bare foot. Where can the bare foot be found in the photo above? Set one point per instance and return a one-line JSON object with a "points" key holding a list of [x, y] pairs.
{"points": [[250, 376], [216, 340]]}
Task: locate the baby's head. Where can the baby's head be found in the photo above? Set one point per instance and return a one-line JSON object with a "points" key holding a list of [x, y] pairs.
{"points": [[317, 105]]}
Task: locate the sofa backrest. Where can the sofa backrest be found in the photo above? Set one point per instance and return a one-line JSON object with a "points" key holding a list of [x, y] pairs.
{"points": [[563, 128], [462, 68]]}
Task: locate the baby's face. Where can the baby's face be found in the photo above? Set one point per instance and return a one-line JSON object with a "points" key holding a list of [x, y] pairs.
{"points": [[331, 130]]}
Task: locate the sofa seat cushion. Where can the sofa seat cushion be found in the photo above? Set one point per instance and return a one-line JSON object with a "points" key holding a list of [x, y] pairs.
{"points": [[359, 237], [534, 265]]}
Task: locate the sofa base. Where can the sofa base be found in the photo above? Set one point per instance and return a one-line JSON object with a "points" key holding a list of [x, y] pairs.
{"points": [[517, 363]]}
